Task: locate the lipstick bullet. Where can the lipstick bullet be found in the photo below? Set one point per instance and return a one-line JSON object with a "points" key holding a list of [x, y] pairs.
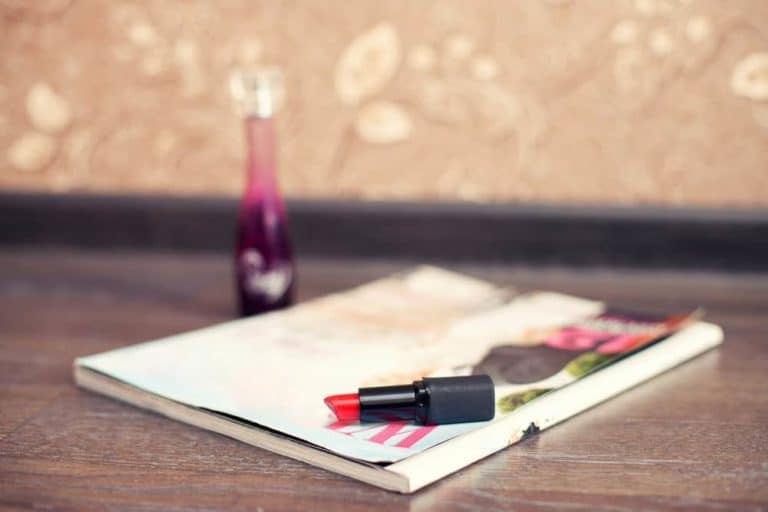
{"points": [[430, 401]]}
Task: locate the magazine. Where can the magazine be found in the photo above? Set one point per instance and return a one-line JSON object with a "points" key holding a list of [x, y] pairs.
{"points": [[267, 376]]}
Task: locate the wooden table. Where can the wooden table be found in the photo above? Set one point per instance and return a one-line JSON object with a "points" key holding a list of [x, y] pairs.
{"points": [[694, 438]]}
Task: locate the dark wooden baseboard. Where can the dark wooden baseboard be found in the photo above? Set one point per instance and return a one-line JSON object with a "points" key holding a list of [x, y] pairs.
{"points": [[735, 240]]}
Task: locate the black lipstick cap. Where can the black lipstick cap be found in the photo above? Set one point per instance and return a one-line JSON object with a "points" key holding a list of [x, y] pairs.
{"points": [[431, 401], [459, 399]]}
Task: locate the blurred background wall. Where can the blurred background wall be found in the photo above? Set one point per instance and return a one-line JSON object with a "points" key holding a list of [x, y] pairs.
{"points": [[617, 102]]}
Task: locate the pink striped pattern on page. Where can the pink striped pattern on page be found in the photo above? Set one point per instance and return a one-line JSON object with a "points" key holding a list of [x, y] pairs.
{"points": [[339, 425], [387, 432], [416, 436]]}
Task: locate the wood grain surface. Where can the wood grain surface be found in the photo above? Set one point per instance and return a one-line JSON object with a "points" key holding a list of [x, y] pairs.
{"points": [[695, 438]]}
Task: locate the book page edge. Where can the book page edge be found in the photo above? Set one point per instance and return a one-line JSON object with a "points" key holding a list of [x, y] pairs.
{"points": [[252, 435]]}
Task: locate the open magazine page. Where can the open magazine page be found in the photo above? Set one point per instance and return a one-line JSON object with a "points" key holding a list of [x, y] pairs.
{"points": [[275, 370], [553, 358]]}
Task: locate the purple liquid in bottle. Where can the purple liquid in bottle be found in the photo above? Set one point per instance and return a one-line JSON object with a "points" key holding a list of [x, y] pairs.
{"points": [[264, 266]]}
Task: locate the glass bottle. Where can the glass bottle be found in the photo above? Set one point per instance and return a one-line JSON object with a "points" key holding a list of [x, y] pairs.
{"points": [[264, 266]]}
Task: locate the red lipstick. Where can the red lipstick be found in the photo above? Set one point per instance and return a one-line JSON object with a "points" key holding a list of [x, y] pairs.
{"points": [[345, 407], [430, 401]]}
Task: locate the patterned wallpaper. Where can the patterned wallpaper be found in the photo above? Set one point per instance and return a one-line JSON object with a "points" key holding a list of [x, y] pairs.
{"points": [[603, 101]]}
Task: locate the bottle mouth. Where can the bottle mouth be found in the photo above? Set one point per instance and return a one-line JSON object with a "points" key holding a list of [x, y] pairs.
{"points": [[257, 91]]}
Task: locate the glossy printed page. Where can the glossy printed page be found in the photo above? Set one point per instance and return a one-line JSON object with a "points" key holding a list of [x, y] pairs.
{"points": [[274, 370]]}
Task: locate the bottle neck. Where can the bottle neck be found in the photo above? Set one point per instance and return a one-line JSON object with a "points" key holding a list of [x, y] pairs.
{"points": [[261, 143]]}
